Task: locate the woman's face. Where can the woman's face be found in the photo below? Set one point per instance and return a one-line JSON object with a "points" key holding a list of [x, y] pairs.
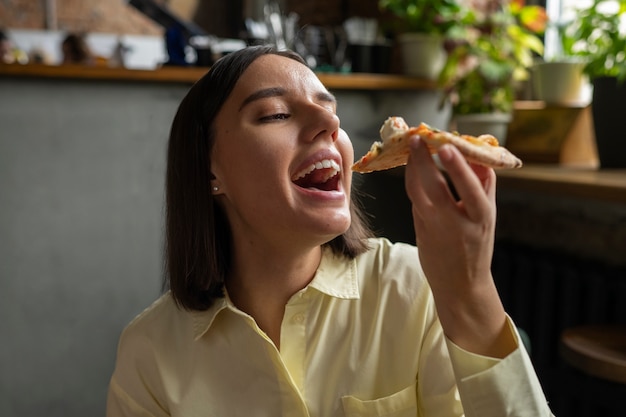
{"points": [[280, 161]]}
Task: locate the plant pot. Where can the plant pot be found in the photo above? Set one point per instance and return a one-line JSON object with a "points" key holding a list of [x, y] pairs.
{"points": [[495, 124], [422, 54], [558, 82], [609, 121]]}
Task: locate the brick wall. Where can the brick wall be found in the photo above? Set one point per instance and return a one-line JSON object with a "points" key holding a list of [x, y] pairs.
{"points": [[115, 16], [108, 16]]}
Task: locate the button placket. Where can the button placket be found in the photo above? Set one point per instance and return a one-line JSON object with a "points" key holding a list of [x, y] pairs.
{"points": [[298, 318], [293, 339]]}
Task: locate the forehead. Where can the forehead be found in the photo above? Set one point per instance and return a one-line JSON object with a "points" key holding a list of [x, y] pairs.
{"points": [[277, 71]]}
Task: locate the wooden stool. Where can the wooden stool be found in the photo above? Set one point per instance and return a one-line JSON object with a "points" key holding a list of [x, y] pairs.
{"points": [[598, 350]]}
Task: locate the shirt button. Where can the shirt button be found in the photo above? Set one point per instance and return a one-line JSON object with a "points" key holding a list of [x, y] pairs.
{"points": [[298, 318]]}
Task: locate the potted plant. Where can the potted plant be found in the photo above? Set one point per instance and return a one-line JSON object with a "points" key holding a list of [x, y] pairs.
{"points": [[421, 27], [558, 78], [489, 55], [597, 36]]}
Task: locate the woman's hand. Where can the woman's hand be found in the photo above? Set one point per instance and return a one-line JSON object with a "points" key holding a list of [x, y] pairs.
{"points": [[455, 239]]}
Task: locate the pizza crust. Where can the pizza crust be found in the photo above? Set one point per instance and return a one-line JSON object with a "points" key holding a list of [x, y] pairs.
{"points": [[394, 149], [482, 150]]}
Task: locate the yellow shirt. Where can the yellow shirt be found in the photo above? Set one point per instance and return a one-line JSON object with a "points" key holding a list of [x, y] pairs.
{"points": [[362, 339]]}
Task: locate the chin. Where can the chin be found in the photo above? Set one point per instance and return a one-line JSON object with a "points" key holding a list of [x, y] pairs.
{"points": [[337, 225]]}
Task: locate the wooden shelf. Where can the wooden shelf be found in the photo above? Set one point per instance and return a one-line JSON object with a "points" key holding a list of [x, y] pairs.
{"points": [[332, 81], [364, 81], [80, 72]]}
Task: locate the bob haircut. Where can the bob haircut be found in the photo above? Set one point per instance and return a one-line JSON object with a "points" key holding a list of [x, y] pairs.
{"points": [[198, 239]]}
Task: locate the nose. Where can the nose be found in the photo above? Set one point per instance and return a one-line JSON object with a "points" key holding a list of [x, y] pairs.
{"points": [[323, 124]]}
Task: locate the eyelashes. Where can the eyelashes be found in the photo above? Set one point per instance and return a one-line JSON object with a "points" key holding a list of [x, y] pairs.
{"points": [[275, 117]]}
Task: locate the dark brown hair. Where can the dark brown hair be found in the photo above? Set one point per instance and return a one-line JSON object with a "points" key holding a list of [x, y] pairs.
{"points": [[75, 49], [198, 237]]}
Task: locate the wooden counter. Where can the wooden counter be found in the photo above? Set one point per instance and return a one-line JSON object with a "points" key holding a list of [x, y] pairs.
{"points": [[557, 180], [576, 211], [332, 81]]}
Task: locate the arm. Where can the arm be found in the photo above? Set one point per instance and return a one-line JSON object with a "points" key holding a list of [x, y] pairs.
{"points": [[455, 240]]}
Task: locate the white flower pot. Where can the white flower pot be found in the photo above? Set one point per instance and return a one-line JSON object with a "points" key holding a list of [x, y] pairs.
{"points": [[422, 54], [558, 82], [495, 124]]}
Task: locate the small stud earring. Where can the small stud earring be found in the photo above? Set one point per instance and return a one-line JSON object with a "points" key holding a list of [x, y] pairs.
{"points": [[215, 188]]}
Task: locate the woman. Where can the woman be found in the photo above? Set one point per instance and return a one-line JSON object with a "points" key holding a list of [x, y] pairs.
{"points": [[281, 304]]}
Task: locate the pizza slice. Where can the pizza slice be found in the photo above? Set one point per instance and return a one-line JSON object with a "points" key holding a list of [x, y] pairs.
{"points": [[394, 149]]}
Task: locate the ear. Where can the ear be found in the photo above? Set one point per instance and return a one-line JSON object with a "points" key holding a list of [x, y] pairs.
{"points": [[216, 188]]}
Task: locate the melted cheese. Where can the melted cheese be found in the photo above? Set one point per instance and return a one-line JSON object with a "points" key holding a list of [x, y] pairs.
{"points": [[481, 140]]}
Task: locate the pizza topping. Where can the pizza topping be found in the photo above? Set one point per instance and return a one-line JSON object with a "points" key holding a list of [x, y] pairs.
{"points": [[393, 127], [482, 140], [375, 149], [322, 175]]}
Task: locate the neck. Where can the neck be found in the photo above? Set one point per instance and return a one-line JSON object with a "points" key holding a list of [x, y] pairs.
{"points": [[263, 281]]}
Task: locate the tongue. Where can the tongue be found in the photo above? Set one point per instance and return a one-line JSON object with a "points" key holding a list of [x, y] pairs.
{"points": [[314, 180]]}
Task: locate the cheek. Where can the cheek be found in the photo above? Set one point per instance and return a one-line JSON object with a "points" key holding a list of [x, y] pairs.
{"points": [[347, 154], [249, 167]]}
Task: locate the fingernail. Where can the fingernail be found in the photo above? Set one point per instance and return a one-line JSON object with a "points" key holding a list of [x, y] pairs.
{"points": [[414, 141], [445, 152]]}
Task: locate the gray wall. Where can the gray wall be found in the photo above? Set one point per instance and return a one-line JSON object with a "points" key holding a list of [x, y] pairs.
{"points": [[81, 220], [81, 186]]}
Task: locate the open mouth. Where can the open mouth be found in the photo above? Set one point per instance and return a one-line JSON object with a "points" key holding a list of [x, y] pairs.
{"points": [[323, 175]]}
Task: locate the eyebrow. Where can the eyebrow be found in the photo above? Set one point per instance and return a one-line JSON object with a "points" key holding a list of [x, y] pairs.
{"points": [[279, 91]]}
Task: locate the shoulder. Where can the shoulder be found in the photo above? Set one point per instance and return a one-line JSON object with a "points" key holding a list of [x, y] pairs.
{"points": [[393, 287], [387, 258], [140, 353], [155, 325], [392, 266], [162, 307]]}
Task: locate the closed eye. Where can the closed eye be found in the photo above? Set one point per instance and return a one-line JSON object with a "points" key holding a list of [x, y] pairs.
{"points": [[273, 117]]}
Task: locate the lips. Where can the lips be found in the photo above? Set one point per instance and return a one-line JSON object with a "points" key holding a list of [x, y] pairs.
{"points": [[322, 175]]}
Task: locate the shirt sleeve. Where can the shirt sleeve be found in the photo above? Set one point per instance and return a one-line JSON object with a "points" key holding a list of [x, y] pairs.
{"points": [[496, 387], [135, 385], [120, 404]]}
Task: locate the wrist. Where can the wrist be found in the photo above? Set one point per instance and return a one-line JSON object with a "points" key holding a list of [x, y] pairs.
{"points": [[476, 321]]}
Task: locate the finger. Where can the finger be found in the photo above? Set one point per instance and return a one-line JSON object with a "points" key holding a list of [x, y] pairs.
{"points": [[425, 184], [412, 177], [487, 178], [475, 185], [419, 227], [412, 180]]}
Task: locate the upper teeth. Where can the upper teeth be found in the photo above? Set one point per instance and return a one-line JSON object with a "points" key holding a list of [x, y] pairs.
{"points": [[325, 163]]}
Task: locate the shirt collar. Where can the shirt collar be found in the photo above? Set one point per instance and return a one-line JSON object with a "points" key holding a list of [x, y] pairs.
{"points": [[202, 320], [335, 276]]}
